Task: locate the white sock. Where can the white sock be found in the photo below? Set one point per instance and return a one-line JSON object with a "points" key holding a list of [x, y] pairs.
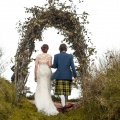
{"points": [[62, 100]]}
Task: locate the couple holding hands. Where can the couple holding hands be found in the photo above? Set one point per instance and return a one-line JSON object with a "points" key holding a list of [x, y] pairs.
{"points": [[63, 63]]}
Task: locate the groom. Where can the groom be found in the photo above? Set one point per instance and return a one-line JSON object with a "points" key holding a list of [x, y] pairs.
{"points": [[63, 62]]}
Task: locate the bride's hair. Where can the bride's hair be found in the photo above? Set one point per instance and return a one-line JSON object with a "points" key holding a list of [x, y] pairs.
{"points": [[44, 48]]}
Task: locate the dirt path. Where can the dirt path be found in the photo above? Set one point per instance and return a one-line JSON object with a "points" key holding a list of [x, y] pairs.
{"points": [[69, 105]]}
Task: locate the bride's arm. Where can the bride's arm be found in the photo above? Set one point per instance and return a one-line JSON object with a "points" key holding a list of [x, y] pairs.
{"points": [[50, 61], [35, 69]]}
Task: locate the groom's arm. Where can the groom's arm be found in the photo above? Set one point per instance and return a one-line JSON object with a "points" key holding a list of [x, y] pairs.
{"points": [[73, 67]]}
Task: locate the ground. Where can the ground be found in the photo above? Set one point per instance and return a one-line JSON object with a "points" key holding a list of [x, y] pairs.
{"points": [[69, 105]]}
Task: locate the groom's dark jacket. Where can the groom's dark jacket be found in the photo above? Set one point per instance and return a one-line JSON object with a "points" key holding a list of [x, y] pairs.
{"points": [[65, 66]]}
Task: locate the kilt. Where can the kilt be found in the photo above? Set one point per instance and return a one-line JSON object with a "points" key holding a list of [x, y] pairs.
{"points": [[63, 87]]}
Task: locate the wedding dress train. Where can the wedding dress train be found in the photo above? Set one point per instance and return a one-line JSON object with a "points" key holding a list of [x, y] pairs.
{"points": [[43, 100]]}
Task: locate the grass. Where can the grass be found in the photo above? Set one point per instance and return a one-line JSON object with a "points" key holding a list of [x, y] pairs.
{"points": [[7, 98], [101, 99], [102, 93]]}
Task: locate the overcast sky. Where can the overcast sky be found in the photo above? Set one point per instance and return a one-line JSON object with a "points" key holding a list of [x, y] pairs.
{"points": [[104, 18]]}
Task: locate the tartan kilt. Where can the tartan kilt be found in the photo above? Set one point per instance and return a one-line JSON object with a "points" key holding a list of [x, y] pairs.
{"points": [[63, 87]]}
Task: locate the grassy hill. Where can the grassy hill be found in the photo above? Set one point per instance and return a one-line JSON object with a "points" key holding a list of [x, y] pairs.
{"points": [[7, 99], [101, 97]]}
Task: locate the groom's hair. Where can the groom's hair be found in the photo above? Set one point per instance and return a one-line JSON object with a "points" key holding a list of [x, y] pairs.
{"points": [[63, 47], [44, 48]]}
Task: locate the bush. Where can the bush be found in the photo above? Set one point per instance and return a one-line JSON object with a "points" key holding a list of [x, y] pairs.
{"points": [[102, 95]]}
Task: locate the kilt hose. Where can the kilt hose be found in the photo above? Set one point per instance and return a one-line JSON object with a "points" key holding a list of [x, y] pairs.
{"points": [[63, 87]]}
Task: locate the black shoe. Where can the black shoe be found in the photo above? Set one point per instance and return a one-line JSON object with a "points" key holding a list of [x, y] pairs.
{"points": [[64, 110]]}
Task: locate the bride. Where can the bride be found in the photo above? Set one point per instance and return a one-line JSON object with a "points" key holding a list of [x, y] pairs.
{"points": [[43, 100]]}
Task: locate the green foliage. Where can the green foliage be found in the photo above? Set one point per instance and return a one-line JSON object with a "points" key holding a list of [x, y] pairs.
{"points": [[28, 111], [7, 91], [102, 93], [7, 98], [101, 99]]}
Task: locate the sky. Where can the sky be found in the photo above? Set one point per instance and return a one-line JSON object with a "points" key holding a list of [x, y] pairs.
{"points": [[104, 24]]}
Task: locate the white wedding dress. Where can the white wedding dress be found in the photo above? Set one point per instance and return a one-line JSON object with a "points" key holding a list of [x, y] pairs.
{"points": [[43, 100]]}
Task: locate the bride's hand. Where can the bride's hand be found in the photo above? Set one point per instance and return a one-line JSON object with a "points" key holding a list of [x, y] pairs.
{"points": [[35, 79], [75, 79]]}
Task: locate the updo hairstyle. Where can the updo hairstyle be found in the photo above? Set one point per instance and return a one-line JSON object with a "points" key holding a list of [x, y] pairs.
{"points": [[44, 48]]}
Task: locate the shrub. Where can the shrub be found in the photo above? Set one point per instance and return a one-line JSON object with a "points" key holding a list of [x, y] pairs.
{"points": [[102, 94]]}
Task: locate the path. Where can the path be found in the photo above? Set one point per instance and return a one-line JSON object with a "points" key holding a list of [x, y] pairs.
{"points": [[69, 105]]}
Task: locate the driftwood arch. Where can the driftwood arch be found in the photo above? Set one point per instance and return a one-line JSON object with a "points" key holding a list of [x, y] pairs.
{"points": [[66, 21]]}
